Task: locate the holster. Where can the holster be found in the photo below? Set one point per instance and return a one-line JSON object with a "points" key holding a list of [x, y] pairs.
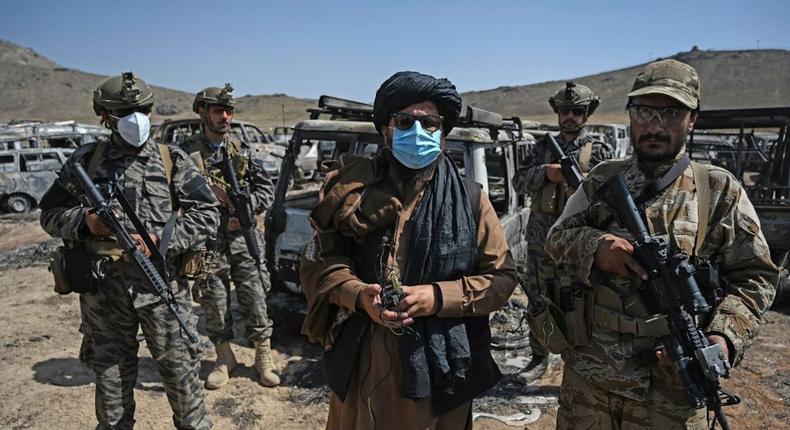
{"points": [[73, 270]]}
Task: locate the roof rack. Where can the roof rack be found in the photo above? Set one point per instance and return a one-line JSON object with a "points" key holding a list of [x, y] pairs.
{"points": [[743, 118], [494, 122], [339, 108]]}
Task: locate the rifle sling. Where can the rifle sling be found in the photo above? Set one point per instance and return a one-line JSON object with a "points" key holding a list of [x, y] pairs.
{"points": [[138, 225], [585, 155], [702, 184], [655, 187]]}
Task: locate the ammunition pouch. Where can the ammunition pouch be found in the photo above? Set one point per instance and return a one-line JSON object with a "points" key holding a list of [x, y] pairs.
{"points": [[564, 324], [605, 319], [74, 270], [550, 199], [711, 284], [191, 264]]}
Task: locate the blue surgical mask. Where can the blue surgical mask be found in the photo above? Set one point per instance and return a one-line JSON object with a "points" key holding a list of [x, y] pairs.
{"points": [[416, 148]]}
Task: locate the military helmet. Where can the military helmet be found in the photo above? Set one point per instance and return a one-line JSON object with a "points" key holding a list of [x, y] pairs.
{"points": [[574, 95], [122, 92], [214, 96]]}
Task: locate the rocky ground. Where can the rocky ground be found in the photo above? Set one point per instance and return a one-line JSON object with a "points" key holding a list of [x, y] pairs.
{"points": [[45, 386]]}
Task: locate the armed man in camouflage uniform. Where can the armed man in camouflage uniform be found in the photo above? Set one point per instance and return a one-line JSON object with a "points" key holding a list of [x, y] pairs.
{"points": [[115, 298], [619, 377], [541, 178], [215, 107]]}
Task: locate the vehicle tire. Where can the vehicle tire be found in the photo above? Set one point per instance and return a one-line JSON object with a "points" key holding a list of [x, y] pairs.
{"points": [[18, 203]]}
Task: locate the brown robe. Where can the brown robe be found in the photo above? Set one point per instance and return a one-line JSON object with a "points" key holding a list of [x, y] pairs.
{"points": [[373, 399]]}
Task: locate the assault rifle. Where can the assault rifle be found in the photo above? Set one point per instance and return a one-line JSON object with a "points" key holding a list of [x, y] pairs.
{"points": [[570, 168], [672, 290], [240, 196], [156, 281]]}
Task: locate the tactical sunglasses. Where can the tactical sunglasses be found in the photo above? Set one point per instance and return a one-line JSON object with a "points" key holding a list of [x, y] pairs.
{"points": [[405, 121], [120, 113], [644, 114], [576, 111]]}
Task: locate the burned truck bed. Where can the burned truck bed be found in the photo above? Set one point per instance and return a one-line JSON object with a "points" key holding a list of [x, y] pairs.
{"points": [[485, 146], [754, 145]]}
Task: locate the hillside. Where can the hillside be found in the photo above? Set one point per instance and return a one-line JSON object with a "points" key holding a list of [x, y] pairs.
{"points": [[35, 87], [730, 79]]}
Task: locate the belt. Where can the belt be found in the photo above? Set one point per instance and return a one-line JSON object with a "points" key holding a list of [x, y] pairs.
{"points": [[103, 248], [608, 320]]}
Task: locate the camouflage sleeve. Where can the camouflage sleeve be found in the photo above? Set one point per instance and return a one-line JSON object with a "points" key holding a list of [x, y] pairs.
{"points": [[262, 194], [200, 210], [61, 213], [745, 262], [532, 176], [572, 240]]}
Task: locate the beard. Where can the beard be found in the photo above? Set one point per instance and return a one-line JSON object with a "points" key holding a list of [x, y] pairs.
{"points": [[571, 126], [656, 147]]}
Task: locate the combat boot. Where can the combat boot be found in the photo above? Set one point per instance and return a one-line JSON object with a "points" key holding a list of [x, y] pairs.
{"points": [[263, 363], [225, 364]]}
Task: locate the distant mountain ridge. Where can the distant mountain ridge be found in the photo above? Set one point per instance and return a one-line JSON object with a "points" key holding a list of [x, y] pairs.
{"points": [[35, 87], [730, 79]]}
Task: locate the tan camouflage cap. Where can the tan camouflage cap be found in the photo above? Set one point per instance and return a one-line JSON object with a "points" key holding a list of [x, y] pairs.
{"points": [[670, 78]]}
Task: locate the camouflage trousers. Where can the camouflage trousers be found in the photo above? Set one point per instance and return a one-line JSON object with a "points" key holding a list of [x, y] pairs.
{"points": [[251, 290], [110, 319], [586, 406]]}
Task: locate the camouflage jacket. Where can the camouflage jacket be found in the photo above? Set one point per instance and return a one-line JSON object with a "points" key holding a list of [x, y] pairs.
{"points": [[141, 176], [734, 242], [531, 179], [207, 157]]}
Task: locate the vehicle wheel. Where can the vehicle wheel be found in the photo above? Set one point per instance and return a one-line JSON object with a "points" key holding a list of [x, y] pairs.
{"points": [[17, 203]]}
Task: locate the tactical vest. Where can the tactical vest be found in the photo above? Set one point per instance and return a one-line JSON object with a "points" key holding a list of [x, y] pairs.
{"points": [[198, 151], [565, 322], [615, 312], [73, 266]]}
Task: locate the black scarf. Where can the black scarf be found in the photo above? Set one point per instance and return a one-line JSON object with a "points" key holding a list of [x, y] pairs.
{"points": [[435, 353]]}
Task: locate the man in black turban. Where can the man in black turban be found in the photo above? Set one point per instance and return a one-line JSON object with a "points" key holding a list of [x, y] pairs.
{"points": [[407, 261], [407, 88]]}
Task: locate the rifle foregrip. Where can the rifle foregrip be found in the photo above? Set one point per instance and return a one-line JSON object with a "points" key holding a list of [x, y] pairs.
{"points": [[162, 290]]}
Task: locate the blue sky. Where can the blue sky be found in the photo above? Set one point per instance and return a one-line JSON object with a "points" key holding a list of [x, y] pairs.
{"points": [[347, 48]]}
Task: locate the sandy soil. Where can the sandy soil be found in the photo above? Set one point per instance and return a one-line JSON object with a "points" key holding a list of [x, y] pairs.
{"points": [[43, 384]]}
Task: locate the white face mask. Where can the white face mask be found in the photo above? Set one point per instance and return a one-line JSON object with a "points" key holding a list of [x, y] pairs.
{"points": [[134, 128]]}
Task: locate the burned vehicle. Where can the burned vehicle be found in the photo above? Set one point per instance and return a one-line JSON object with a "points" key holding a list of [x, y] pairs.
{"points": [[483, 145], [63, 134], [262, 145], [26, 174], [740, 141]]}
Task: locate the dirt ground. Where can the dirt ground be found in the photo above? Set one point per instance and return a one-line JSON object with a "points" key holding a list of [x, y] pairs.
{"points": [[43, 385]]}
